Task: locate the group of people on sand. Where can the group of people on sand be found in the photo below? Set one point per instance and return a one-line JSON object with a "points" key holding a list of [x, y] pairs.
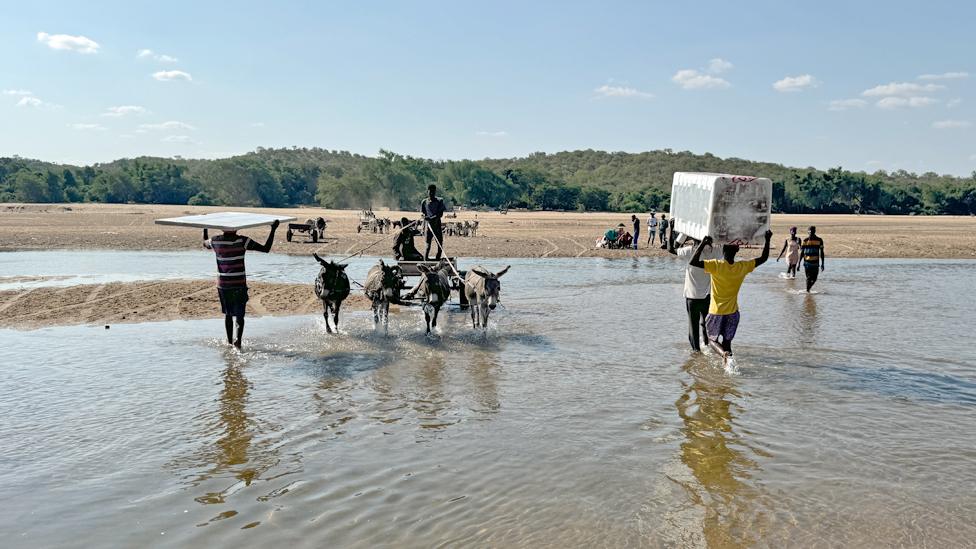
{"points": [[714, 277], [620, 238]]}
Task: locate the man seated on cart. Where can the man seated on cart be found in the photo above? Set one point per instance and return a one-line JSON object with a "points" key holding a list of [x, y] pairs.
{"points": [[404, 248]]}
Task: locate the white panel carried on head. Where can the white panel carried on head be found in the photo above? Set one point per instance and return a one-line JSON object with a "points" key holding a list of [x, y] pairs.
{"points": [[729, 208], [225, 221]]}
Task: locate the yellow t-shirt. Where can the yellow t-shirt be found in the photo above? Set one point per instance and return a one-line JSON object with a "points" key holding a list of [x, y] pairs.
{"points": [[726, 281]]}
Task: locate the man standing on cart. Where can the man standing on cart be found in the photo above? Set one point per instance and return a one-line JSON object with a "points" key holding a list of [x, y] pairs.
{"points": [[433, 209]]}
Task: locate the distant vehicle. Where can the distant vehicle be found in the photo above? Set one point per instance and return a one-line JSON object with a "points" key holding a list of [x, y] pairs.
{"points": [[313, 227]]}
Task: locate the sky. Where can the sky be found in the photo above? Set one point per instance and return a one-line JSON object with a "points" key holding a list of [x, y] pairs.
{"points": [[864, 85]]}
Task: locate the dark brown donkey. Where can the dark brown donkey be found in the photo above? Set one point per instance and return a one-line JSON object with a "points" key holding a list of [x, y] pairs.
{"points": [[332, 287]]}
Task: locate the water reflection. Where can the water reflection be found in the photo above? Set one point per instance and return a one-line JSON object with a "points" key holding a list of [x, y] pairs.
{"points": [[234, 453], [483, 372], [718, 457], [809, 320]]}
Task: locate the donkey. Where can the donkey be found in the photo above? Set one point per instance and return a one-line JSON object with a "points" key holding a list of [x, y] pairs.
{"points": [[482, 288], [332, 287], [435, 285], [382, 286]]}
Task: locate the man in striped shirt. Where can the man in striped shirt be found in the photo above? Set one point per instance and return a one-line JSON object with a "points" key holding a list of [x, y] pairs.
{"points": [[229, 248], [812, 250]]}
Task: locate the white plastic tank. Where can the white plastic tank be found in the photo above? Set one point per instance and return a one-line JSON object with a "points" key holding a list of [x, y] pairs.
{"points": [[729, 208]]}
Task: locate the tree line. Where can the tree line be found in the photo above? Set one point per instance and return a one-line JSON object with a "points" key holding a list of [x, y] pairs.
{"points": [[574, 180]]}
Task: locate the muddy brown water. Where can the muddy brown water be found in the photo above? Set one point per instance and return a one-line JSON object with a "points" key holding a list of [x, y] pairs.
{"points": [[580, 420]]}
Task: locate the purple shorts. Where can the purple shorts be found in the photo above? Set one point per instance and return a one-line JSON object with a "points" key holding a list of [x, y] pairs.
{"points": [[722, 325]]}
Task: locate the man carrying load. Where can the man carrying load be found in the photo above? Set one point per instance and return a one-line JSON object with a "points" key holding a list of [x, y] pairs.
{"points": [[727, 277], [229, 247]]}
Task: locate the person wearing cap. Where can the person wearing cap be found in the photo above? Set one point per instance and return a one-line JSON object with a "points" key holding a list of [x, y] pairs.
{"points": [[813, 256], [792, 245], [651, 228], [727, 277], [403, 246], [698, 285], [433, 209]]}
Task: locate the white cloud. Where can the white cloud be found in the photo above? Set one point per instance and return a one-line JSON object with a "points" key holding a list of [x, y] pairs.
{"points": [[256, 124], [890, 103], [166, 76], [80, 44], [29, 101], [945, 76], [903, 89], [954, 103], [972, 157], [144, 53], [124, 110], [795, 83], [691, 79], [844, 104], [126, 136], [493, 134], [97, 127], [951, 124], [719, 65], [179, 139], [607, 90], [17, 92], [166, 126]]}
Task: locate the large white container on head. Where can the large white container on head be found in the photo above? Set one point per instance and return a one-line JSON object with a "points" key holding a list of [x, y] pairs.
{"points": [[729, 208]]}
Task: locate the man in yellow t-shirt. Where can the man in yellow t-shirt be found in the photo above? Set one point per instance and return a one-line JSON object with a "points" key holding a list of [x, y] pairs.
{"points": [[727, 277]]}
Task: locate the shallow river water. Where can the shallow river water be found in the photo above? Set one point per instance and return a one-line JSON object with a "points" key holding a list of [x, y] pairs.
{"points": [[580, 420]]}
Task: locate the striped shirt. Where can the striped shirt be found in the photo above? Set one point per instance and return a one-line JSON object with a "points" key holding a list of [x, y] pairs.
{"points": [[229, 250], [811, 250]]}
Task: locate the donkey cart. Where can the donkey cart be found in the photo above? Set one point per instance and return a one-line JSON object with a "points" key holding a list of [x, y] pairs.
{"points": [[315, 228], [411, 270]]}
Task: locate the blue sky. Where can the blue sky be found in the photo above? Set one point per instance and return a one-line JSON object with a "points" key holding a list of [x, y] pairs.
{"points": [[866, 85]]}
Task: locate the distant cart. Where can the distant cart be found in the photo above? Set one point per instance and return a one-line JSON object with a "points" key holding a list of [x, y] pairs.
{"points": [[315, 228]]}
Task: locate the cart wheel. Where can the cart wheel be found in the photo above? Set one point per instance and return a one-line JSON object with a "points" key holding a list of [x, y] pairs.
{"points": [[288, 235], [315, 236]]}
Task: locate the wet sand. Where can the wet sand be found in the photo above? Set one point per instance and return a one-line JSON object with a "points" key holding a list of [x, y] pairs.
{"points": [[128, 302], [515, 234]]}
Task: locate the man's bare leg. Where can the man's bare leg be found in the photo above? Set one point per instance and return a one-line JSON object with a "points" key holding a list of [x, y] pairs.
{"points": [[240, 331], [229, 327]]}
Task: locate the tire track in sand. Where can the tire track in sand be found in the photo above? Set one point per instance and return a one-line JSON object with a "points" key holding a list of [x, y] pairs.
{"points": [[555, 248]]}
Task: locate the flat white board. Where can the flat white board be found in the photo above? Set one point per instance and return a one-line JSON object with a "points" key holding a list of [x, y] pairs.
{"points": [[225, 221]]}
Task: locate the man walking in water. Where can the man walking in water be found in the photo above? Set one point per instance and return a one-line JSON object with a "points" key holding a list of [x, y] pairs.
{"points": [[727, 277], [433, 209], [698, 287], [792, 244], [229, 247], [813, 257]]}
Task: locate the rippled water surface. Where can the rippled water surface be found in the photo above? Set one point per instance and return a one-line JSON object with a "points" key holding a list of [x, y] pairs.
{"points": [[581, 420]]}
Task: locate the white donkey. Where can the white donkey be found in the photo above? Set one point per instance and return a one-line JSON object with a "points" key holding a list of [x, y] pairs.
{"points": [[482, 288]]}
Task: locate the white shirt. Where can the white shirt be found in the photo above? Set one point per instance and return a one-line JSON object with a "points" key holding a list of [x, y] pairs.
{"points": [[698, 283], [651, 222]]}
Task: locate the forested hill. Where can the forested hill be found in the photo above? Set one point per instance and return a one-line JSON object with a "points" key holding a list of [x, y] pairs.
{"points": [[574, 180]]}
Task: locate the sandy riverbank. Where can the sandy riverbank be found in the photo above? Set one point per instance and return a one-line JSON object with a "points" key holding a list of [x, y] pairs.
{"points": [[127, 302], [516, 234]]}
